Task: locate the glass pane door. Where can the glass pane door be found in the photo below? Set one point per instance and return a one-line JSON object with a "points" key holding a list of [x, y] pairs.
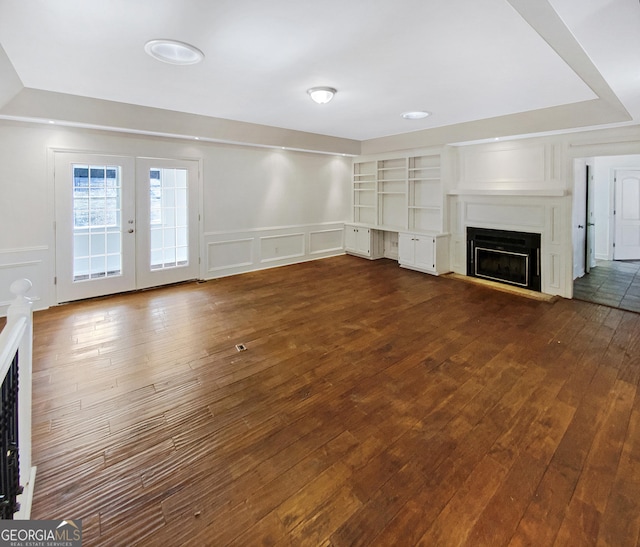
{"points": [[97, 221], [167, 221], [169, 217]]}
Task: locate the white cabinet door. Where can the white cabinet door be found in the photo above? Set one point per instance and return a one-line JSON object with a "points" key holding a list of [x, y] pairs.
{"points": [[363, 238], [351, 238], [406, 249], [424, 252], [357, 240], [362, 241]]}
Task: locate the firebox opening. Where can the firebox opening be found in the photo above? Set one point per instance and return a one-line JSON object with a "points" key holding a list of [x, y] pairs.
{"points": [[504, 256]]}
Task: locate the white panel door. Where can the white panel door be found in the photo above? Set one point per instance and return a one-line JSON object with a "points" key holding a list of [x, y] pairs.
{"points": [[167, 220], [124, 224], [627, 218], [95, 238]]}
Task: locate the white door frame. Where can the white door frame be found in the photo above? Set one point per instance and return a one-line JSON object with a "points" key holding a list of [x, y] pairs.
{"points": [[58, 240], [630, 252]]}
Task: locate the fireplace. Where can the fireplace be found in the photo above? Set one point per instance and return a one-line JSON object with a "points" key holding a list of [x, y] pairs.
{"points": [[504, 256]]}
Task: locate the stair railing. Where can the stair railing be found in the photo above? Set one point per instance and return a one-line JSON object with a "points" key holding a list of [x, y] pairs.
{"points": [[17, 476]]}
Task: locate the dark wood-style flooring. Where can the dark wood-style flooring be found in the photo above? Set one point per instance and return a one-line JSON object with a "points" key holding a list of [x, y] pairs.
{"points": [[372, 406]]}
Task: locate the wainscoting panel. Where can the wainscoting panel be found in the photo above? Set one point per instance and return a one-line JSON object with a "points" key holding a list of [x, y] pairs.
{"points": [[31, 263], [230, 253], [323, 241], [281, 247], [236, 253]]}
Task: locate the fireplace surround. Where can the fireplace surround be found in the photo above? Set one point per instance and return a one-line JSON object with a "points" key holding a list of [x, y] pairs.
{"points": [[504, 256]]}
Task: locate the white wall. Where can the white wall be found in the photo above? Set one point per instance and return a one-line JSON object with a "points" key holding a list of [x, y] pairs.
{"points": [[284, 206]]}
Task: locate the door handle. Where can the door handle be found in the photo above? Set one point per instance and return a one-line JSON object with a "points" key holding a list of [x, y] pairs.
{"points": [[580, 226], [130, 230]]}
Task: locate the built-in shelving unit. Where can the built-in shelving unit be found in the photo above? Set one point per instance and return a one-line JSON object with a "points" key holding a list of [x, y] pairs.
{"points": [[399, 193], [425, 193], [392, 193], [364, 192]]}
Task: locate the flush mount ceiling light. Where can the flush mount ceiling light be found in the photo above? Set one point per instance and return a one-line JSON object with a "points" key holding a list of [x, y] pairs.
{"points": [[321, 95], [415, 115], [174, 52]]}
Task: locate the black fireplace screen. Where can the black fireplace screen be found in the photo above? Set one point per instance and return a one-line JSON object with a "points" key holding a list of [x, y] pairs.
{"points": [[502, 266], [504, 256]]}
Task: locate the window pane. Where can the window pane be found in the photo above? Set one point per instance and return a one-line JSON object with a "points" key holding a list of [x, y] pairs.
{"points": [[97, 220], [169, 217]]}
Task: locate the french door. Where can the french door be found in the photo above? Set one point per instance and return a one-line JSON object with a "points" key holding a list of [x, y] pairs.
{"points": [[123, 223]]}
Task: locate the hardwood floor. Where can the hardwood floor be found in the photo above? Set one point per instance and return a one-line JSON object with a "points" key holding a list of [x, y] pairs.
{"points": [[373, 406]]}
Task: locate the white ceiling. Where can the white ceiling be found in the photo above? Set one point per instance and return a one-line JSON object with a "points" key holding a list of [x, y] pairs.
{"points": [[462, 60]]}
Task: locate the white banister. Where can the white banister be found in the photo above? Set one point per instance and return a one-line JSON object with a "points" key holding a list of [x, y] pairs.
{"points": [[17, 336]]}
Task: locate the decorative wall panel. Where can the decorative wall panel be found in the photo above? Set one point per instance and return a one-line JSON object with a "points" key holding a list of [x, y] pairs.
{"points": [[230, 253], [29, 263], [323, 241], [499, 214], [281, 247], [223, 255]]}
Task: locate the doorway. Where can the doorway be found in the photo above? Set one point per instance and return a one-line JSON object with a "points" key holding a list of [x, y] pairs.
{"points": [[123, 223], [606, 231]]}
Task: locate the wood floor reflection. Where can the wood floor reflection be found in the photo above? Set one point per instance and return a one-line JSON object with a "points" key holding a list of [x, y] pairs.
{"points": [[372, 406]]}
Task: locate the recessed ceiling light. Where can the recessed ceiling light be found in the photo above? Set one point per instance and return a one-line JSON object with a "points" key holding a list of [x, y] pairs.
{"points": [[174, 52], [415, 115], [321, 95]]}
